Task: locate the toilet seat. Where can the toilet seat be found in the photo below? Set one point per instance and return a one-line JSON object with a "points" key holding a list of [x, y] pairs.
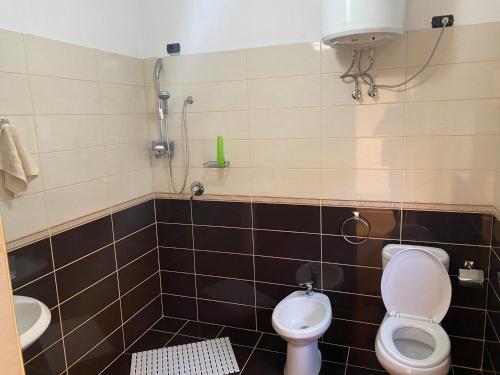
{"points": [[416, 284], [441, 341], [416, 291]]}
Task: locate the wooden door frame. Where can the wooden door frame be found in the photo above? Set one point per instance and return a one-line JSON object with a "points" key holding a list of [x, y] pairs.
{"points": [[11, 360]]}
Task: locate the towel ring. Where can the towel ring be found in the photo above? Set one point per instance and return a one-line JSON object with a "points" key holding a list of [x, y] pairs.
{"points": [[4, 121], [356, 217]]}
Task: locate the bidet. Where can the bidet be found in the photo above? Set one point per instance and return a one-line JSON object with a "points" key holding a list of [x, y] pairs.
{"points": [[301, 319]]}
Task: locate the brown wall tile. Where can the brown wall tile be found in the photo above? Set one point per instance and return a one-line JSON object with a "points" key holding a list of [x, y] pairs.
{"points": [[144, 319], [82, 240], [181, 260], [289, 217], [175, 235], [132, 247], [88, 303], [223, 239], [227, 290], [173, 211], [132, 219], [91, 333], [182, 284], [288, 245], [31, 262], [79, 275], [140, 296], [227, 214], [225, 265], [138, 271]]}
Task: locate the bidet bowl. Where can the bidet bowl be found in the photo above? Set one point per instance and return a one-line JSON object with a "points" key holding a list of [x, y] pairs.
{"points": [[302, 318], [32, 318]]}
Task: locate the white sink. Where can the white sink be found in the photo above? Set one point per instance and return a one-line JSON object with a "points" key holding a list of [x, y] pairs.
{"points": [[32, 317]]}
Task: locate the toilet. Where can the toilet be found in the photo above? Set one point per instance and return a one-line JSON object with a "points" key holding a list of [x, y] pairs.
{"points": [[301, 319], [416, 291]]}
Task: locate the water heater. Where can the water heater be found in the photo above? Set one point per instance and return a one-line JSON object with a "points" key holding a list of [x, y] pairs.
{"points": [[362, 23]]}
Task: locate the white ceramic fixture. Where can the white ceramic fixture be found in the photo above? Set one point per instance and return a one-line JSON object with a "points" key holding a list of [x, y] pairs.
{"points": [[362, 23], [32, 318], [416, 291], [301, 320]]}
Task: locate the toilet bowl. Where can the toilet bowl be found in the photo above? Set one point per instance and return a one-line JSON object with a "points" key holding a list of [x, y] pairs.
{"points": [[301, 319], [416, 291]]}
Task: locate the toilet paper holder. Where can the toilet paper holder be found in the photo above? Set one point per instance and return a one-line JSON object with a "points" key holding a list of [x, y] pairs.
{"points": [[470, 276]]}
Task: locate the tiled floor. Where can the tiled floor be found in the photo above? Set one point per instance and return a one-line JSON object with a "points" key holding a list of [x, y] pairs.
{"points": [[256, 352]]}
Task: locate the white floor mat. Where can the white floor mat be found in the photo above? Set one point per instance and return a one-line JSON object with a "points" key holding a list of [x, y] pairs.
{"points": [[210, 357]]}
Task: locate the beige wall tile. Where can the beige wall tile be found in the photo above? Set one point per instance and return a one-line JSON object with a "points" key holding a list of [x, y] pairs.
{"points": [[124, 128], [460, 43], [359, 184], [71, 167], [127, 157], [68, 132], [161, 179], [117, 68], [130, 185], [12, 51], [64, 96], [449, 187], [17, 98], [363, 153], [23, 216], [336, 92], [460, 117], [221, 181], [220, 96], [119, 99], [209, 125], [285, 60], [289, 153], [212, 67], [84, 199], [237, 152], [390, 55], [285, 123], [57, 59], [450, 152], [363, 121], [456, 81], [288, 92], [296, 183]]}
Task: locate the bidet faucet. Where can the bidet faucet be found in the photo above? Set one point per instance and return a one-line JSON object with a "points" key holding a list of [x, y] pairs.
{"points": [[309, 285]]}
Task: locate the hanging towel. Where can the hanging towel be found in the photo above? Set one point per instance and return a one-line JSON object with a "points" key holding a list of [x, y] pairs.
{"points": [[15, 161]]}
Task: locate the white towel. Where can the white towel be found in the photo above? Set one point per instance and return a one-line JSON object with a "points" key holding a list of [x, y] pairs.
{"points": [[15, 161]]}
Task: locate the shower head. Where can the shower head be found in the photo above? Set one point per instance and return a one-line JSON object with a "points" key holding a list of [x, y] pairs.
{"points": [[164, 95]]}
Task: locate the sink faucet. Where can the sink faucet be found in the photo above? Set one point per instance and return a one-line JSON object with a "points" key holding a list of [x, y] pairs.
{"points": [[309, 287]]}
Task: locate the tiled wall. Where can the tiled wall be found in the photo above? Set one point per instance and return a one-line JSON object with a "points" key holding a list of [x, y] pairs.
{"points": [[492, 334], [101, 282], [231, 262], [82, 114], [292, 129]]}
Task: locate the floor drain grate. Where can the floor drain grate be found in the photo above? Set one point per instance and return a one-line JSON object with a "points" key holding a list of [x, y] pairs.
{"points": [[210, 357]]}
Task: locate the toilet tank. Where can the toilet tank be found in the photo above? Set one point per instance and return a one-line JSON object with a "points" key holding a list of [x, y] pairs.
{"points": [[390, 250]]}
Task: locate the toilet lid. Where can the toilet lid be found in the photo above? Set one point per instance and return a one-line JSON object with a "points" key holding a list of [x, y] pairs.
{"points": [[415, 283]]}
